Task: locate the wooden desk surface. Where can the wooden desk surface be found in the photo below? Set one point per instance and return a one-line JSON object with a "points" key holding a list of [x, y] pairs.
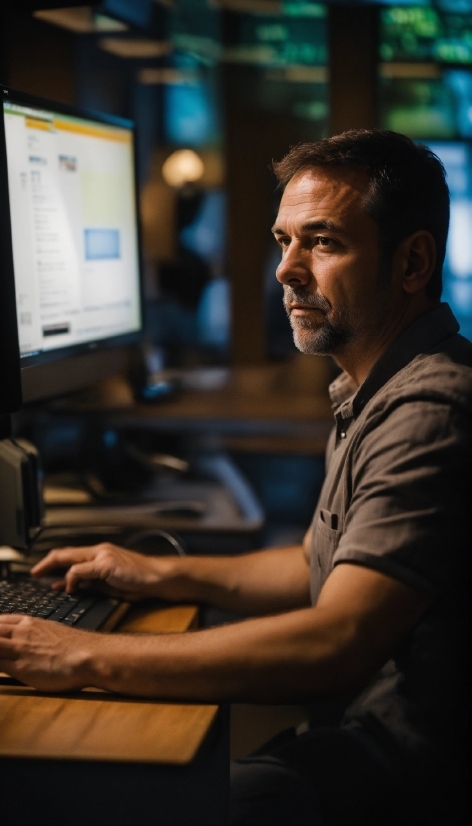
{"points": [[285, 403], [94, 725]]}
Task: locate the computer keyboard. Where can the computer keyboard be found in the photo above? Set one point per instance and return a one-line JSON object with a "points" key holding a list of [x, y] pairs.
{"points": [[35, 598]]}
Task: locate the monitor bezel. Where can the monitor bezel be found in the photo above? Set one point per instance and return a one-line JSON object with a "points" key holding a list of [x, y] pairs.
{"points": [[10, 379], [49, 373]]}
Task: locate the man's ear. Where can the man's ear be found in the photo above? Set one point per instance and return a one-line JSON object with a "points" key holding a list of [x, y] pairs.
{"points": [[416, 259]]}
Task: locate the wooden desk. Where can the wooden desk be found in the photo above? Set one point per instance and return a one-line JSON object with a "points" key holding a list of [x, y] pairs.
{"points": [[53, 741], [93, 725], [285, 405]]}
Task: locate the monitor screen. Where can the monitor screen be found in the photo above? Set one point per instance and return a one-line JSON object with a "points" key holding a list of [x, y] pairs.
{"points": [[74, 232], [434, 108], [457, 274], [419, 32]]}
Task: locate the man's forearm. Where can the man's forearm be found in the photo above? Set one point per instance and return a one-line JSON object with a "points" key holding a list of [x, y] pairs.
{"points": [[262, 582], [268, 659], [360, 619]]}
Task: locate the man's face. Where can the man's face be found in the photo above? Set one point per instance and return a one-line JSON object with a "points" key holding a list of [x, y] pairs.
{"points": [[334, 292]]}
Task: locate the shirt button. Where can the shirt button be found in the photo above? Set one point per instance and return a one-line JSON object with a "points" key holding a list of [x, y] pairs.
{"points": [[343, 434]]}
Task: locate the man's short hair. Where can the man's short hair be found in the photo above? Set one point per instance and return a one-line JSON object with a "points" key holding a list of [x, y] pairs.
{"points": [[407, 185]]}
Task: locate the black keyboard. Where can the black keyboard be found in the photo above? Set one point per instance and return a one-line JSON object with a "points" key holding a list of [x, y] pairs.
{"points": [[35, 598]]}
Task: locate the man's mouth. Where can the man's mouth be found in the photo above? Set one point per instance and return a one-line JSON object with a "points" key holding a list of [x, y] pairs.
{"points": [[301, 309]]}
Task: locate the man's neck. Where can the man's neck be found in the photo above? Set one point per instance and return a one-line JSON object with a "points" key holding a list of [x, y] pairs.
{"points": [[358, 358]]}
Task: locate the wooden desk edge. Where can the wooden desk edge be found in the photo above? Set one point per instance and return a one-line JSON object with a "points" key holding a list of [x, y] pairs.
{"points": [[52, 726]]}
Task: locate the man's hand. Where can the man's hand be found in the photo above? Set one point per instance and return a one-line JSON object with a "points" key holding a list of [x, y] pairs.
{"points": [[261, 582], [112, 570], [45, 654]]}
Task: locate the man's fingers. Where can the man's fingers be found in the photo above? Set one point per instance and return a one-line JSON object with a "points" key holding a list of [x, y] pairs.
{"points": [[9, 620], [58, 585], [82, 572], [62, 558], [9, 624]]}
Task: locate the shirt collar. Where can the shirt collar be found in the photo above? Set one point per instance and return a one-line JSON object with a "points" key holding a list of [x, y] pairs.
{"points": [[422, 335]]}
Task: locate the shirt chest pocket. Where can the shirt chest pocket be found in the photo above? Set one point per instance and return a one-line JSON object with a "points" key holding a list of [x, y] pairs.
{"points": [[326, 538]]}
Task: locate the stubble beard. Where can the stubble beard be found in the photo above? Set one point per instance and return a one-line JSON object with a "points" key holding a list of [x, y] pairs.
{"points": [[314, 336]]}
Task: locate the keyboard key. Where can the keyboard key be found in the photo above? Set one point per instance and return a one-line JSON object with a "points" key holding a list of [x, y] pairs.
{"points": [[33, 598], [61, 612]]}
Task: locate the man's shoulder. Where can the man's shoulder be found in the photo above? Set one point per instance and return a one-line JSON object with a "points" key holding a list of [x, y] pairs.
{"points": [[442, 376], [439, 375]]}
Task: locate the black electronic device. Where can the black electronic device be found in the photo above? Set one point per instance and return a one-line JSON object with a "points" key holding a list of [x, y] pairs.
{"points": [[21, 499], [69, 244]]}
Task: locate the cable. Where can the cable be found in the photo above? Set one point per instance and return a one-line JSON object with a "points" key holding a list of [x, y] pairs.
{"points": [[64, 530], [137, 537]]}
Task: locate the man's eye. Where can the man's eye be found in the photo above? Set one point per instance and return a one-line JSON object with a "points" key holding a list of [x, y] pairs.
{"points": [[323, 241]]}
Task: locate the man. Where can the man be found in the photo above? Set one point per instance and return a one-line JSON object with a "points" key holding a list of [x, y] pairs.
{"points": [[373, 609]]}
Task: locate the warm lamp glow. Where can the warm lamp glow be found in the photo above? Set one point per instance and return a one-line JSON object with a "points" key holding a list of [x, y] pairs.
{"points": [[134, 48], [81, 20], [182, 167]]}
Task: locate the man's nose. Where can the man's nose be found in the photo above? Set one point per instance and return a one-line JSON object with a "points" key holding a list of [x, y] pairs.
{"points": [[294, 269]]}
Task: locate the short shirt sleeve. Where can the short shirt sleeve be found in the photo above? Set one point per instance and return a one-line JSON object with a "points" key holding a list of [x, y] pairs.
{"points": [[410, 513]]}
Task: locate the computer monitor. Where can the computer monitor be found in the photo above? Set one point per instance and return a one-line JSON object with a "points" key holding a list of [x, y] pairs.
{"points": [[69, 236]]}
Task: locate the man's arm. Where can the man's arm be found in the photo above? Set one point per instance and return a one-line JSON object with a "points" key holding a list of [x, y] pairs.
{"points": [[361, 618], [261, 582]]}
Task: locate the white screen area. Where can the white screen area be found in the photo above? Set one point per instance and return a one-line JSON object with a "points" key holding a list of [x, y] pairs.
{"points": [[73, 216]]}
